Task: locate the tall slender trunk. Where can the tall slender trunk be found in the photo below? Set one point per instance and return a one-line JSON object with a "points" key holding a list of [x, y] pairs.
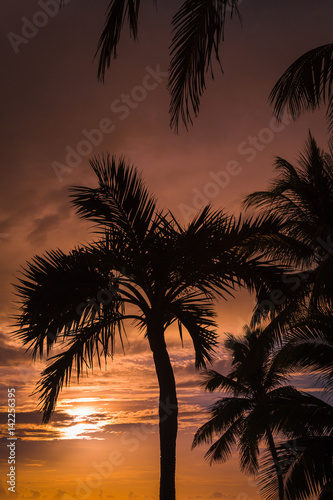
{"points": [[278, 469], [168, 418]]}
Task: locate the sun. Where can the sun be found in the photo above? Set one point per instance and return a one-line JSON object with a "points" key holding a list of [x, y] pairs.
{"points": [[77, 431], [80, 412], [82, 426]]}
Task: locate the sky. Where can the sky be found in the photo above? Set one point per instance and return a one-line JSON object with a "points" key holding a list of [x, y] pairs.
{"points": [[102, 441]]}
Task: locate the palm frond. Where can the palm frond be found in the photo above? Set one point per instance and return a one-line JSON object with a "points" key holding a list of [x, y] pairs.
{"points": [[326, 492], [58, 293], [310, 345], [198, 29], [84, 345], [214, 380], [249, 446], [224, 412], [305, 84], [226, 424], [197, 317], [121, 200], [311, 467], [297, 413], [116, 14], [222, 449]]}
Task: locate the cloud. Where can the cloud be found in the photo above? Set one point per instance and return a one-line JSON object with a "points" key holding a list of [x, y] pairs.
{"points": [[34, 417], [59, 495], [217, 494], [34, 494], [43, 226], [9, 354]]}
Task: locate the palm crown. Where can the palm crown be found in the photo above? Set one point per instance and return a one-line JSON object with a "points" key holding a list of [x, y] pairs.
{"points": [[145, 267], [303, 198]]}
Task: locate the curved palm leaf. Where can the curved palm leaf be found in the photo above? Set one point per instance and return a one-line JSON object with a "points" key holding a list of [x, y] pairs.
{"points": [[120, 201], [116, 14], [222, 449], [214, 380], [95, 340], [227, 418], [198, 31], [196, 314], [306, 84], [310, 345], [306, 465], [58, 293]]}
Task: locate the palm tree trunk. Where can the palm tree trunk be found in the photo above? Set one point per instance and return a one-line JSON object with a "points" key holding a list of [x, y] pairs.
{"points": [[168, 417], [278, 469]]}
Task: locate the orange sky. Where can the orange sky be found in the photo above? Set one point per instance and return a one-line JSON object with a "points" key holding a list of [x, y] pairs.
{"points": [[50, 103]]}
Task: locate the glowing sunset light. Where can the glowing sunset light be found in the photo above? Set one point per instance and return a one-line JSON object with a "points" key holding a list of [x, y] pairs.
{"points": [[81, 411], [79, 431], [102, 440]]}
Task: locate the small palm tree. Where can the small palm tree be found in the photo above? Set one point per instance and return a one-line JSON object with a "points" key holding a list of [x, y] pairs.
{"points": [[145, 267], [198, 29], [306, 84], [259, 405], [302, 197]]}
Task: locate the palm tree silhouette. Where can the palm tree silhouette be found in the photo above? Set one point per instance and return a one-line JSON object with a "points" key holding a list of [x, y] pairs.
{"points": [[198, 29], [302, 197], [260, 405], [306, 84], [145, 267]]}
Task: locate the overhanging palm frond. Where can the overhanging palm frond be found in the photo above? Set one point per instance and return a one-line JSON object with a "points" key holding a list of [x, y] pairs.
{"points": [[310, 469], [310, 345], [301, 196], [227, 423], [90, 341], [58, 294], [214, 380], [116, 14], [224, 412], [306, 84], [198, 29], [121, 200], [198, 319], [222, 449], [297, 413]]}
